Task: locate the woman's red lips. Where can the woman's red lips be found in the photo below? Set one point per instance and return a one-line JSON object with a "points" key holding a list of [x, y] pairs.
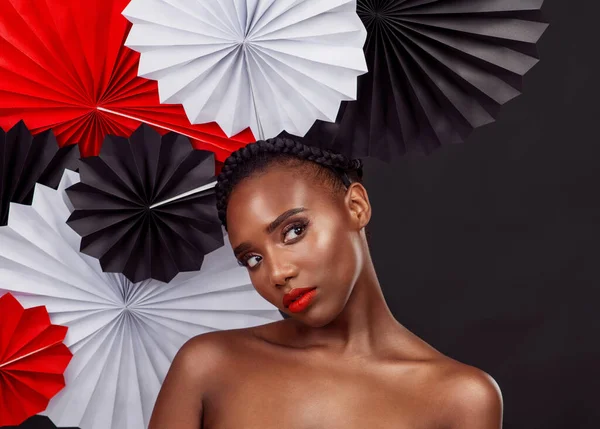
{"points": [[303, 302], [294, 294]]}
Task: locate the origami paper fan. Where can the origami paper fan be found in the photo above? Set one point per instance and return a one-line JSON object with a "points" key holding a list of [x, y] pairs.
{"points": [[32, 360], [64, 66], [36, 422], [270, 65], [115, 214], [438, 69], [123, 335], [25, 160]]}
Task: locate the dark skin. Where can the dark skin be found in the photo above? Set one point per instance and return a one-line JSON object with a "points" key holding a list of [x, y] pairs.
{"points": [[344, 362]]}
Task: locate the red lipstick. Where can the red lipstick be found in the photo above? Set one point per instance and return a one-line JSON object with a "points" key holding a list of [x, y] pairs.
{"points": [[298, 299]]}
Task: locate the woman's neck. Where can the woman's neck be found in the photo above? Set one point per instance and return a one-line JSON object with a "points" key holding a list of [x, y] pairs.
{"points": [[365, 327]]}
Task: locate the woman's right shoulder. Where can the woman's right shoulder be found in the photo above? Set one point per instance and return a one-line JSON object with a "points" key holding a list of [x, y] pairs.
{"points": [[216, 346], [195, 373], [203, 355], [207, 345], [204, 342]]}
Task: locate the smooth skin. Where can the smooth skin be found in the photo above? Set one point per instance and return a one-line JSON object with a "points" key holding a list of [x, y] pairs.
{"points": [[344, 362]]}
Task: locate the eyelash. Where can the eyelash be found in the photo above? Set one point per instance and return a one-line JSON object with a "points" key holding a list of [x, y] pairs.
{"points": [[243, 261]]}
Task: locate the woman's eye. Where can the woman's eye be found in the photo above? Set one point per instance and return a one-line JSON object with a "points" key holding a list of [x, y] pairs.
{"points": [[246, 261], [295, 231], [249, 262]]}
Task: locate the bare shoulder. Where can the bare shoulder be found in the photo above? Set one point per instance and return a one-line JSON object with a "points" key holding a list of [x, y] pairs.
{"points": [[452, 394], [467, 397], [203, 353], [202, 346], [189, 382], [219, 348]]}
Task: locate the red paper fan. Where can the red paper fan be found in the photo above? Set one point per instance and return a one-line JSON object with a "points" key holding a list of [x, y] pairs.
{"points": [[63, 66], [33, 359]]}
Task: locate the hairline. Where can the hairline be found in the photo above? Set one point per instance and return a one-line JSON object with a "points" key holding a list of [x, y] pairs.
{"points": [[334, 186]]}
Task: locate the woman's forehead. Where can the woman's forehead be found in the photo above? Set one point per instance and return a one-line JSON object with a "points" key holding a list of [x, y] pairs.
{"points": [[265, 196], [271, 189]]}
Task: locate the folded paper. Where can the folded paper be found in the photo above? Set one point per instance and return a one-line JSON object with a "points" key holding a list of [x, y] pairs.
{"points": [[437, 70], [32, 360], [120, 211], [64, 67], [264, 64], [36, 422], [27, 160], [123, 335]]}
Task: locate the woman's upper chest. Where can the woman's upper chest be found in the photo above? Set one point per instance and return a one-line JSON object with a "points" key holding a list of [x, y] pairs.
{"points": [[261, 393]]}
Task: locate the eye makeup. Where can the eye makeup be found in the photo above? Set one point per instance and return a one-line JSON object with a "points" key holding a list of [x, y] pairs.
{"points": [[293, 224], [299, 223]]}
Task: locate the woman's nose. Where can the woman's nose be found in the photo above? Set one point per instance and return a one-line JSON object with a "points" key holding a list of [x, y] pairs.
{"points": [[281, 272]]}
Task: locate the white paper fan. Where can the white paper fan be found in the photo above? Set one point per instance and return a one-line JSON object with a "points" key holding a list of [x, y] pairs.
{"points": [[270, 65], [123, 336]]}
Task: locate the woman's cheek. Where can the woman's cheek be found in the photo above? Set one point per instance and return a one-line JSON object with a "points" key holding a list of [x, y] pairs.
{"points": [[327, 252]]}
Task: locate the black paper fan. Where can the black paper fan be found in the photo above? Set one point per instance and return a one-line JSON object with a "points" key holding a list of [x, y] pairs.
{"points": [[113, 210], [36, 422], [437, 70], [27, 160]]}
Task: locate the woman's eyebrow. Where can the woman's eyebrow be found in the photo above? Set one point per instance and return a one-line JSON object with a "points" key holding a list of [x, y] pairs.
{"points": [[241, 248], [282, 217], [271, 227]]}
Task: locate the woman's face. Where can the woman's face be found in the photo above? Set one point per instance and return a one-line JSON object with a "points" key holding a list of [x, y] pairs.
{"points": [[290, 231]]}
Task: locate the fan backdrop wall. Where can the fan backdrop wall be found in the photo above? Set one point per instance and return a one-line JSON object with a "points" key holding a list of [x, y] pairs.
{"points": [[489, 250], [495, 242], [123, 335]]}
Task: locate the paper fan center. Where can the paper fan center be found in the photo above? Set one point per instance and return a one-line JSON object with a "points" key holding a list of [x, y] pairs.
{"points": [[245, 42], [377, 15]]}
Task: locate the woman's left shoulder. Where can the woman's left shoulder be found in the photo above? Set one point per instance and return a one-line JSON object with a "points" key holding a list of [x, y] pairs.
{"points": [[467, 396]]}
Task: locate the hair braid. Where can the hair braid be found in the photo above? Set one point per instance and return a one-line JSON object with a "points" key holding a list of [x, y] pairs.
{"points": [[258, 155]]}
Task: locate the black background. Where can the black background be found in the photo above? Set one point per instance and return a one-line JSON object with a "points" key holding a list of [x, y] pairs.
{"points": [[490, 250]]}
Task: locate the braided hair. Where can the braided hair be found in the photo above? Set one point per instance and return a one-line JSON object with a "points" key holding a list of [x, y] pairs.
{"points": [[340, 170]]}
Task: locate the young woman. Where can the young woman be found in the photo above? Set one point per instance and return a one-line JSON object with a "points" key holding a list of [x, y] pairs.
{"points": [[296, 218]]}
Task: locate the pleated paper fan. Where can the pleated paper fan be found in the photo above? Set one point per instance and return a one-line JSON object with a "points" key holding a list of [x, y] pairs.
{"points": [[437, 70], [64, 67], [123, 335], [27, 160], [37, 422], [264, 64], [32, 360], [115, 209]]}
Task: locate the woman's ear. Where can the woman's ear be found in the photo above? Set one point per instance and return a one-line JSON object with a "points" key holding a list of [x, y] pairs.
{"points": [[357, 201]]}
